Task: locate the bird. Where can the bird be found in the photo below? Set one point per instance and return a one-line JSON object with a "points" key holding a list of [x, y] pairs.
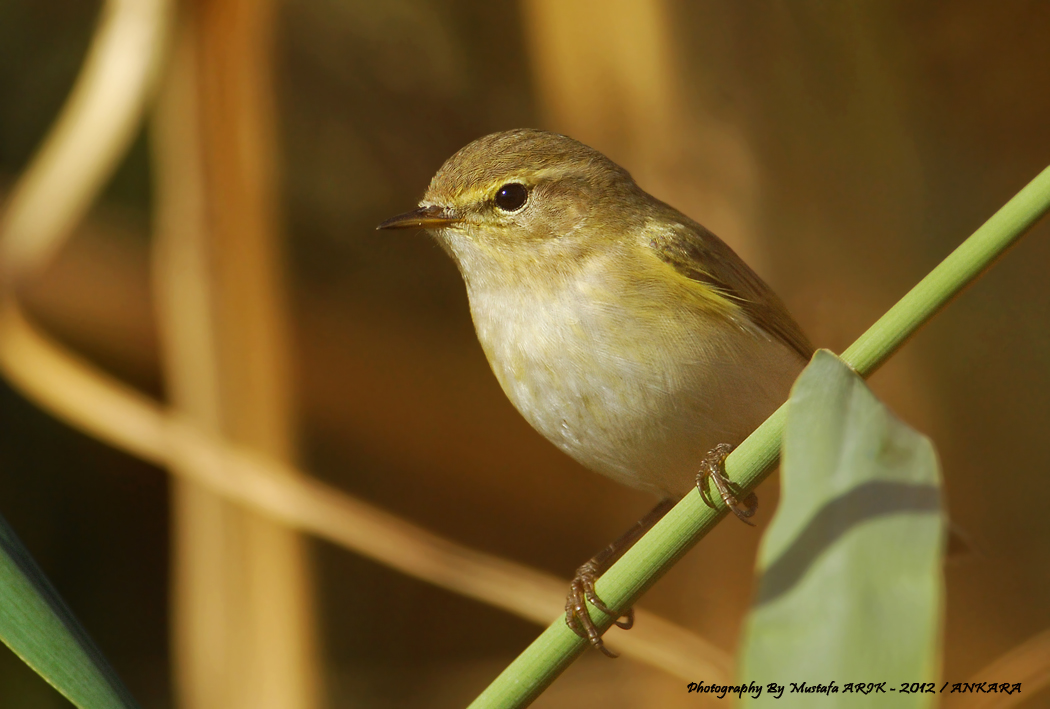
{"points": [[626, 333]]}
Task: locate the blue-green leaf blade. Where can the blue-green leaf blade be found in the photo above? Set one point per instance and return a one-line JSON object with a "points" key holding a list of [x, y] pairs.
{"points": [[38, 626], [850, 571]]}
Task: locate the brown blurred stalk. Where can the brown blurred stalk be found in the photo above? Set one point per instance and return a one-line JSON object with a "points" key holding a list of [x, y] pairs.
{"points": [[1027, 664], [243, 615], [607, 74]]}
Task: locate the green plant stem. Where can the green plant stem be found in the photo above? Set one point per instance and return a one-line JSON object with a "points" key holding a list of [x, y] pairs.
{"points": [[555, 649]]}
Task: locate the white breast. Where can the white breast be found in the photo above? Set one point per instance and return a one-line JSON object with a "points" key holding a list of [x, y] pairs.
{"points": [[638, 393]]}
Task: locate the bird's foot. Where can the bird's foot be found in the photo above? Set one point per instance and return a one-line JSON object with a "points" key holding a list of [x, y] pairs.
{"points": [[578, 616], [713, 469]]}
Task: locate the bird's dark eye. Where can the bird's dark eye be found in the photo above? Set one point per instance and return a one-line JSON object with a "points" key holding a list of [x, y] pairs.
{"points": [[512, 196]]}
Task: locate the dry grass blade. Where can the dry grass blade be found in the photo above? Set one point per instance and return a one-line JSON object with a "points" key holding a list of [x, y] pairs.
{"points": [[1027, 664], [96, 125], [122, 417]]}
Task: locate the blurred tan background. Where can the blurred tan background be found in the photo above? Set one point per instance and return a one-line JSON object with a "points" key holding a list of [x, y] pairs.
{"points": [[843, 150]]}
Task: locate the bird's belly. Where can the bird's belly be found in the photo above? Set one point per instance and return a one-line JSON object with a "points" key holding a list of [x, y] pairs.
{"points": [[641, 401]]}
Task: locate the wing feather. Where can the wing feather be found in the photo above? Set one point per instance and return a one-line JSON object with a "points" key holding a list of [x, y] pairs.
{"points": [[701, 256]]}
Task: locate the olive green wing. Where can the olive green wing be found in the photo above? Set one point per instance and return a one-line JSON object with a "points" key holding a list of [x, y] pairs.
{"points": [[701, 256]]}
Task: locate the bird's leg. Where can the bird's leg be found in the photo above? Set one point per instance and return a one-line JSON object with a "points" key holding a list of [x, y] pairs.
{"points": [[714, 469], [577, 616]]}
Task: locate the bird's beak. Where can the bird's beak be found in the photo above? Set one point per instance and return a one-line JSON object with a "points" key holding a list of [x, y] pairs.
{"points": [[429, 217]]}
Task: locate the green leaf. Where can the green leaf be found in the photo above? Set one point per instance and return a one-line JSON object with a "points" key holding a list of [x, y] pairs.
{"points": [[851, 587], [40, 628]]}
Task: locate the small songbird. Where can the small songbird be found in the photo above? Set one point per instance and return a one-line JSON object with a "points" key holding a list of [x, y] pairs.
{"points": [[629, 335]]}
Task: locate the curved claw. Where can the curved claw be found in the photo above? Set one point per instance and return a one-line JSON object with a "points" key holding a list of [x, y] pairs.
{"points": [[581, 591], [626, 624], [704, 489], [577, 615], [713, 469]]}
